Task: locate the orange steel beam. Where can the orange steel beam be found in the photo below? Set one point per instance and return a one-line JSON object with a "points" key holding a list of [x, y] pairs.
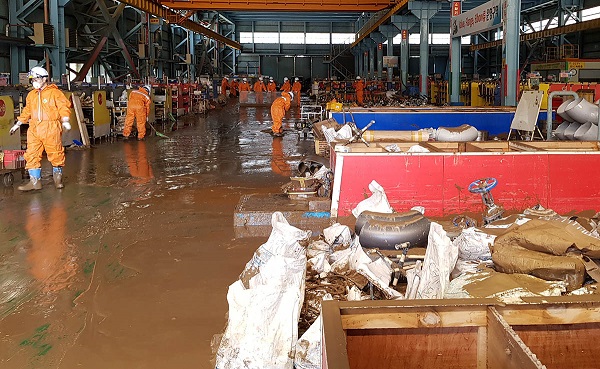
{"points": [[373, 24], [285, 5], [160, 11]]}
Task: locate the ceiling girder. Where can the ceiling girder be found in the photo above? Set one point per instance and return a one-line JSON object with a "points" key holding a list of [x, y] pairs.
{"points": [[160, 11], [287, 5]]}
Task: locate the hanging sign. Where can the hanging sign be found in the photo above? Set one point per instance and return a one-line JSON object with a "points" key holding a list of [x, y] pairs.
{"points": [[456, 8], [405, 34], [482, 18]]}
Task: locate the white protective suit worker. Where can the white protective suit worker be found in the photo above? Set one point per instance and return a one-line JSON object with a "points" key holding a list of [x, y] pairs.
{"points": [[47, 110], [138, 108]]}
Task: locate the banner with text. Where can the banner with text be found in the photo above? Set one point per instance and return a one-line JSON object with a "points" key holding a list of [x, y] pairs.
{"points": [[482, 18]]}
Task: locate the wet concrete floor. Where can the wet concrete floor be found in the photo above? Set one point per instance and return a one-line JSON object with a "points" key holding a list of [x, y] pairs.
{"points": [[128, 266]]}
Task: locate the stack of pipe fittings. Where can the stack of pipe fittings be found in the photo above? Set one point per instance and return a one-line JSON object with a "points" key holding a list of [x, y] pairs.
{"points": [[580, 120]]}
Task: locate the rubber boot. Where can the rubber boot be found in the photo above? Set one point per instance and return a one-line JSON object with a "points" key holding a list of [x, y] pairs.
{"points": [[35, 180], [57, 176]]}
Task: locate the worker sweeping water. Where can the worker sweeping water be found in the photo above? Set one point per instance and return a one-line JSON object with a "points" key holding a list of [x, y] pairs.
{"points": [[47, 110], [138, 108], [278, 109]]}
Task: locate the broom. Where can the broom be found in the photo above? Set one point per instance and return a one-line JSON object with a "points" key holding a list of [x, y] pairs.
{"points": [[156, 132]]}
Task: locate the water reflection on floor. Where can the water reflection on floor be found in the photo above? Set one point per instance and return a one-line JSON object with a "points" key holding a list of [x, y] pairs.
{"points": [[128, 266]]}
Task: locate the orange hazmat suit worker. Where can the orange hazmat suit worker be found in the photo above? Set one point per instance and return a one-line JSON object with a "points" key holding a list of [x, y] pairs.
{"points": [[138, 108], [286, 87], [359, 87], [244, 86], [271, 87], [47, 110], [224, 86], [259, 86], [278, 109], [296, 88], [233, 86]]}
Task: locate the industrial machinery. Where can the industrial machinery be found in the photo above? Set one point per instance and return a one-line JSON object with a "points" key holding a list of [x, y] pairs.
{"points": [[484, 187]]}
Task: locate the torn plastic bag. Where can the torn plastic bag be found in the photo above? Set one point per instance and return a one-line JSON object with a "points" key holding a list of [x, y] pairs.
{"points": [[378, 201], [474, 245], [265, 304], [440, 259], [337, 234], [308, 347]]}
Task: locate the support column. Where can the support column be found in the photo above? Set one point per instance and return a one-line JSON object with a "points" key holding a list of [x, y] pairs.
{"points": [[455, 64], [424, 11], [510, 50], [58, 54], [404, 23], [390, 32], [17, 54], [371, 48], [378, 38]]}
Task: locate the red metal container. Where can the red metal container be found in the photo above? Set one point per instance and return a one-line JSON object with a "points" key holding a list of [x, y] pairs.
{"points": [[13, 159]]}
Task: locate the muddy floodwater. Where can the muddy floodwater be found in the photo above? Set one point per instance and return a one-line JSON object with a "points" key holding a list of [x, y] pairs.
{"points": [[128, 266]]}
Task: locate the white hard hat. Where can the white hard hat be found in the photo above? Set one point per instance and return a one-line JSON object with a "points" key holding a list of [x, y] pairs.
{"points": [[148, 88], [285, 79], [357, 77], [37, 72], [260, 78], [291, 95], [296, 79], [271, 79], [244, 79]]}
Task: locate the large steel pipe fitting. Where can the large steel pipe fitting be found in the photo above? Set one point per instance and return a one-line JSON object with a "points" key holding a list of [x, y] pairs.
{"points": [[386, 231], [582, 111], [561, 110]]}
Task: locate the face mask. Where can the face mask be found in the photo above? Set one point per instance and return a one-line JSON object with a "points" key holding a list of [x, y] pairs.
{"points": [[37, 85]]}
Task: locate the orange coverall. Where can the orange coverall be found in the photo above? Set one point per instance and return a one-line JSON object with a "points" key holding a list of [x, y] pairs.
{"points": [[44, 110], [278, 109], [286, 87], [233, 86], [271, 87], [138, 108], [224, 86], [244, 86], [359, 86], [259, 86], [296, 88]]}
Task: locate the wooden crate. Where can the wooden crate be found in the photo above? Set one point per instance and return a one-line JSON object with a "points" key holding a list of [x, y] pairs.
{"points": [[550, 332]]}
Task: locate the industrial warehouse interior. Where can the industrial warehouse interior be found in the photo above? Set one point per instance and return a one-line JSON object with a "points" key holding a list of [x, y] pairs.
{"points": [[310, 184]]}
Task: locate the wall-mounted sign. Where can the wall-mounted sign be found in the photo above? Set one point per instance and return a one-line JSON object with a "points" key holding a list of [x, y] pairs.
{"points": [[476, 20], [390, 62]]}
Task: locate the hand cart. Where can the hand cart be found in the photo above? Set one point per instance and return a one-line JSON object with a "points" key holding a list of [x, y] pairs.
{"points": [[10, 162]]}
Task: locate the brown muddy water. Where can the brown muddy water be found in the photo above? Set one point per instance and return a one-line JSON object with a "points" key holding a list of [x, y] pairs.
{"points": [[128, 266]]}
